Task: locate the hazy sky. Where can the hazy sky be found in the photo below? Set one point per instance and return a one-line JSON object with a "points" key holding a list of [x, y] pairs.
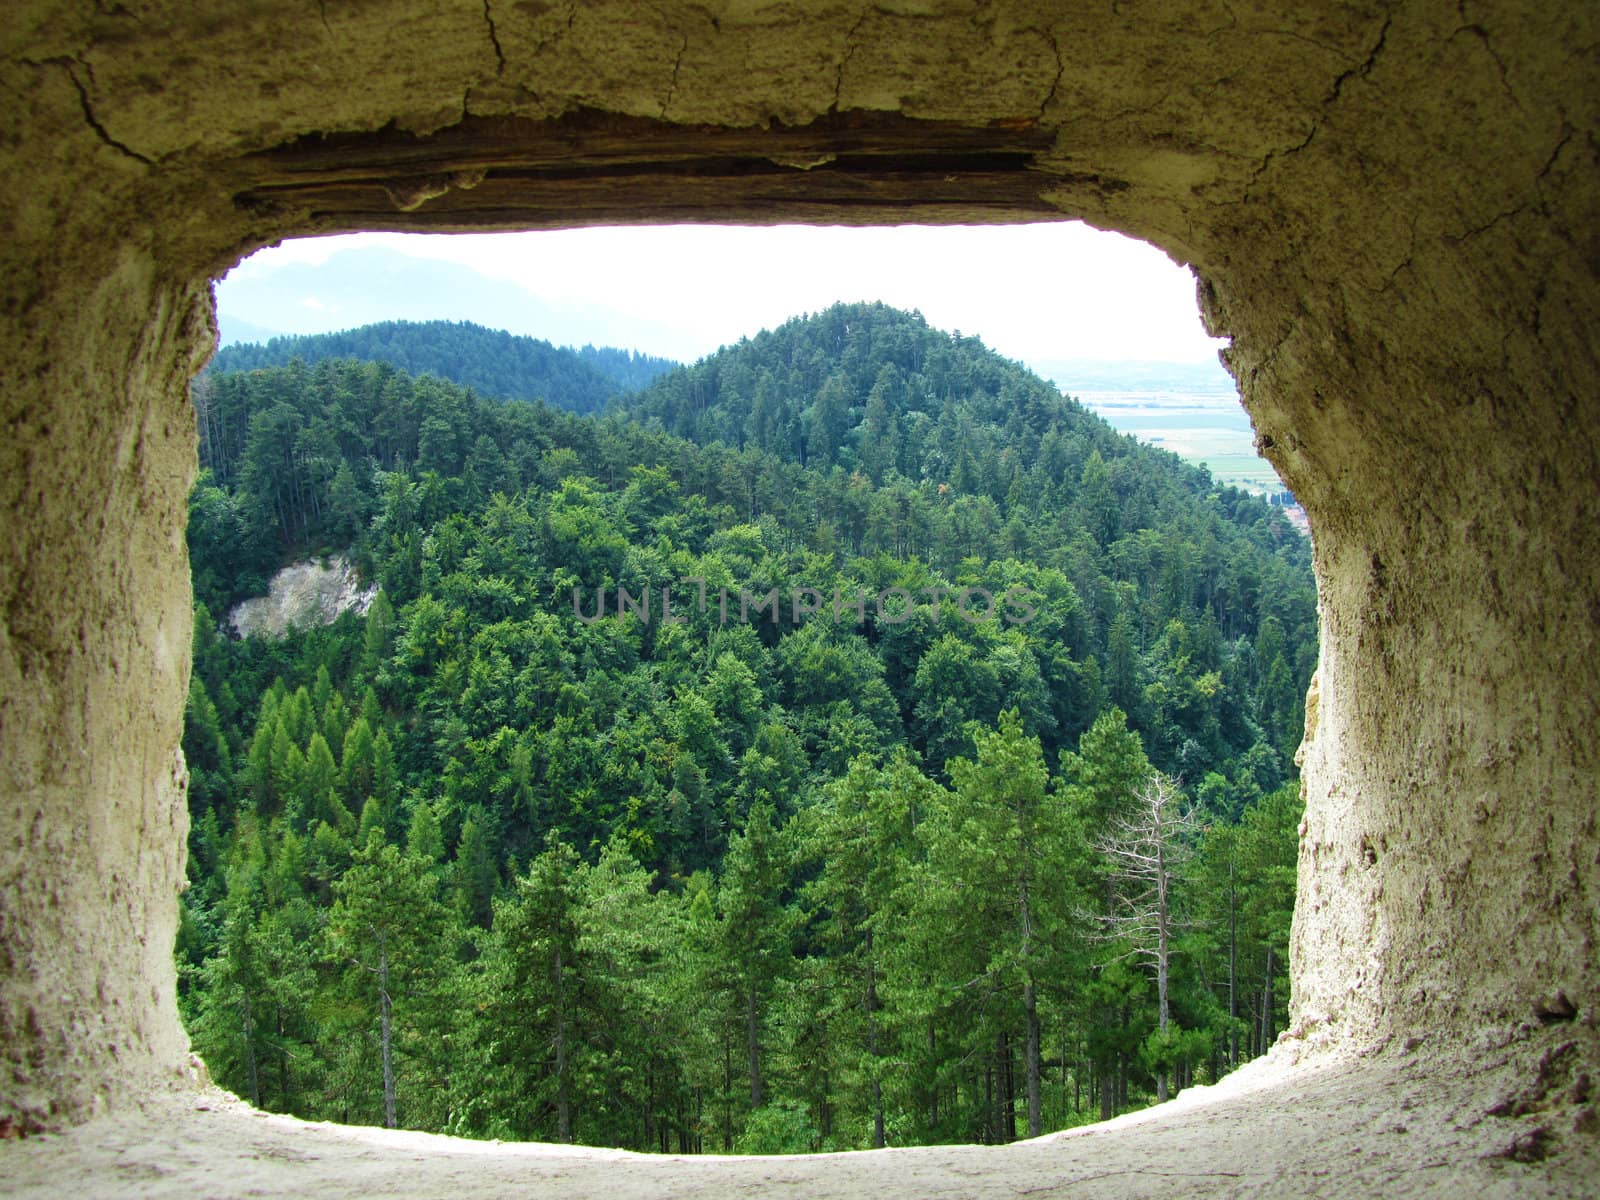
{"points": [[1034, 292]]}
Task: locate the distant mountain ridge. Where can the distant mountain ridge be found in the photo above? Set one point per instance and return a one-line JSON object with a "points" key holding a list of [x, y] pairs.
{"points": [[500, 364], [368, 284]]}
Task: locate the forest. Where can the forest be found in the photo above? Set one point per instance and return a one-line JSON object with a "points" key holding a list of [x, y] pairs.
{"points": [[489, 860], [500, 364]]}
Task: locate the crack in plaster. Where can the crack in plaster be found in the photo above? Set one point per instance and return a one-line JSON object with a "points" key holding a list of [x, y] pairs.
{"points": [[1405, 261], [1295, 35], [1476, 29], [677, 65], [1229, 28], [849, 53], [1335, 92], [67, 65], [1049, 36], [1475, 231], [547, 43], [494, 38], [1363, 68], [677, 60]]}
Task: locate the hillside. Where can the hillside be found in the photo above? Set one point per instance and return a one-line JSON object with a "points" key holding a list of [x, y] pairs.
{"points": [[490, 361], [878, 391], [682, 792]]}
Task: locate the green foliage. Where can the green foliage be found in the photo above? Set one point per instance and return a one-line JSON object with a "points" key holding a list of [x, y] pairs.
{"points": [[748, 879], [783, 1127], [493, 362]]}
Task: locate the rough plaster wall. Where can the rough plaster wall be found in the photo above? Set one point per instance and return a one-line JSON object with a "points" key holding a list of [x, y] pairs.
{"points": [[94, 469], [96, 459], [1434, 401], [1392, 210]]}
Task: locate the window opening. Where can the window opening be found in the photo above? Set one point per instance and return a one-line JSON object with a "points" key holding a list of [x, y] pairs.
{"points": [[825, 734]]}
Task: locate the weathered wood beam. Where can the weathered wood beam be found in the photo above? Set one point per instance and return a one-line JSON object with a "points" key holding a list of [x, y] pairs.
{"points": [[586, 168]]}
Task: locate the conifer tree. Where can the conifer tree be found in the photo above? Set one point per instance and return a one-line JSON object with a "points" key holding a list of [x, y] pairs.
{"points": [[1002, 850], [539, 1017], [387, 929], [756, 927]]}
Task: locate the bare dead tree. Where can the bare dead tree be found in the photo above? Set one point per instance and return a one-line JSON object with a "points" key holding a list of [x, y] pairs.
{"points": [[1145, 848], [207, 424]]}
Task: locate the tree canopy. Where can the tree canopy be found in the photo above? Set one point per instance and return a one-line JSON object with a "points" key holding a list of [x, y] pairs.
{"points": [[492, 361], [734, 770]]}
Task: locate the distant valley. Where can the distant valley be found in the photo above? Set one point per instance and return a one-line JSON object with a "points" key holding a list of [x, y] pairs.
{"points": [[1191, 409]]}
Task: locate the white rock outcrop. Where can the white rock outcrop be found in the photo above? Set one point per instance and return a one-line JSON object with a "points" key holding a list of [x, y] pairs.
{"points": [[300, 596]]}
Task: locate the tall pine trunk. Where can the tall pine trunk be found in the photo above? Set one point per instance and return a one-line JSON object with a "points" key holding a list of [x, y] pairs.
{"points": [[386, 1031], [1030, 1008], [283, 1061], [1233, 971], [563, 1083], [1010, 1064], [251, 1072], [758, 1093], [991, 1119], [872, 1048], [727, 1090], [1266, 1006]]}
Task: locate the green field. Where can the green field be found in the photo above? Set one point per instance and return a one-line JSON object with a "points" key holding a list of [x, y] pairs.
{"points": [[1200, 428]]}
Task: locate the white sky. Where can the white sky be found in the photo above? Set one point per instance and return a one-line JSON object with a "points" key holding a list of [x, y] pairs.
{"points": [[1061, 291]]}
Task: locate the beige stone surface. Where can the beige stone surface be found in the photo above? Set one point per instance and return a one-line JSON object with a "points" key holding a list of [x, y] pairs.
{"points": [[1391, 208], [1338, 1126]]}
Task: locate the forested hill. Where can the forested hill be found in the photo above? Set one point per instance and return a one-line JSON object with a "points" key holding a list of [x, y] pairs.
{"points": [[490, 361], [878, 391], [819, 850]]}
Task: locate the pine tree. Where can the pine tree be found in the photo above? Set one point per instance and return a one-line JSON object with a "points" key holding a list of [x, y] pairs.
{"points": [[377, 643], [1122, 664], [538, 1017], [319, 787], [630, 944], [424, 839], [829, 421], [1096, 502], [348, 506], [205, 751], [358, 764], [756, 927], [387, 928], [864, 836], [1003, 850], [475, 875], [1102, 779]]}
